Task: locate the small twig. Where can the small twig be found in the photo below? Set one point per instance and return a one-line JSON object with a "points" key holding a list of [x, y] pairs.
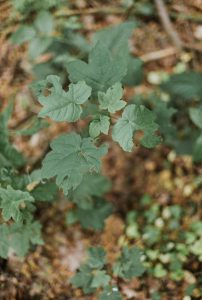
{"points": [[90, 11], [191, 39], [192, 47], [167, 24], [155, 55]]}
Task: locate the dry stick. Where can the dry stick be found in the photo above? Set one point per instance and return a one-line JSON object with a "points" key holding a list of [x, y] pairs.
{"points": [[88, 11], [167, 24], [190, 34], [159, 54]]}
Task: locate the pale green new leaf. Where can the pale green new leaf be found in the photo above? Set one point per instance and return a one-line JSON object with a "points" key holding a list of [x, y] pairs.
{"points": [[61, 105], [111, 100], [136, 118], [101, 124], [15, 204], [102, 70], [70, 159]]}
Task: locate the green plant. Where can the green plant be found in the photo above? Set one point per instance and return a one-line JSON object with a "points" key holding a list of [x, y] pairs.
{"points": [[167, 250], [95, 273], [38, 34], [96, 84], [26, 7], [19, 194], [93, 92]]}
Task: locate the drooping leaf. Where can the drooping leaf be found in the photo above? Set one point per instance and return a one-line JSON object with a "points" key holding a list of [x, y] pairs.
{"points": [[196, 116], [129, 264], [185, 85], [134, 74], [61, 105], [197, 149], [15, 204], [70, 159], [98, 125], [111, 100], [92, 185], [136, 118], [45, 192], [102, 70], [164, 116]]}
